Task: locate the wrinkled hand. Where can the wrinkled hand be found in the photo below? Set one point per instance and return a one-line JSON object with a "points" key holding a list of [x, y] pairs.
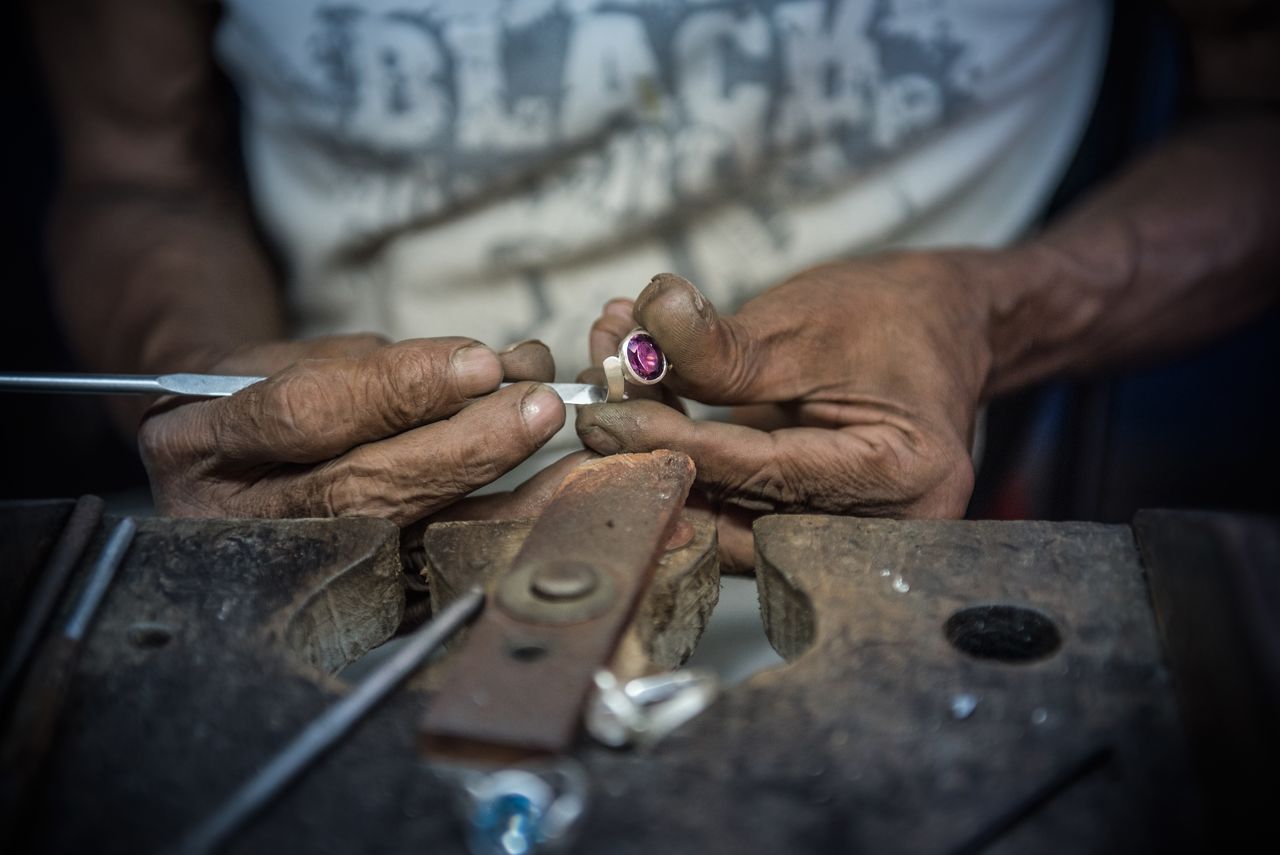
{"points": [[857, 386], [351, 425]]}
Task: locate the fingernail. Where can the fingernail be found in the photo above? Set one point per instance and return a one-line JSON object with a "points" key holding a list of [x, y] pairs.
{"points": [[542, 410], [674, 290], [699, 301], [477, 369]]}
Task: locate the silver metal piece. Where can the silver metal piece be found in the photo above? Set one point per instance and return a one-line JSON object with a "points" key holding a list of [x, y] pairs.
{"points": [[205, 385], [576, 393], [195, 385], [521, 594], [617, 387], [646, 709], [331, 726], [104, 570]]}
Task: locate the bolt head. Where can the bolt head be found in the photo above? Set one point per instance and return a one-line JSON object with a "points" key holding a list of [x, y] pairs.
{"points": [[564, 580]]}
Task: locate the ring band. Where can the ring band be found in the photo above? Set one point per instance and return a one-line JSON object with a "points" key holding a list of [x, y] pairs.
{"points": [[615, 385]]}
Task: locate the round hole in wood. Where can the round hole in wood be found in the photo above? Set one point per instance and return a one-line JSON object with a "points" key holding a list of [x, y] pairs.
{"points": [[150, 635]]}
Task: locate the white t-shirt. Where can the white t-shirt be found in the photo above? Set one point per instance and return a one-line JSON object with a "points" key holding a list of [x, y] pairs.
{"points": [[501, 168]]}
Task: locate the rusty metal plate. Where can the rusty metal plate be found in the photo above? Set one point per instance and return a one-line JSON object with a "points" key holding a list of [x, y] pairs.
{"points": [[519, 682], [672, 614]]}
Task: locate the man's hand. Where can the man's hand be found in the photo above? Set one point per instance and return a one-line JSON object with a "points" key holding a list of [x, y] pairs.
{"points": [[861, 380], [351, 425]]}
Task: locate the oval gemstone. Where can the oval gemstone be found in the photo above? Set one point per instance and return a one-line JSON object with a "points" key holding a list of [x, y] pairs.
{"points": [[644, 358]]}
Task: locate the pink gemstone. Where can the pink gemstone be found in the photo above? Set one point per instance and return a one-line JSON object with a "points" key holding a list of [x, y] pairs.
{"points": [[644, 358]]}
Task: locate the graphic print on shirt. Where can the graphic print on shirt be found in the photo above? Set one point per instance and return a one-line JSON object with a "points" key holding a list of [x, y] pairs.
{"points": [[420, 163], [689, 98]]}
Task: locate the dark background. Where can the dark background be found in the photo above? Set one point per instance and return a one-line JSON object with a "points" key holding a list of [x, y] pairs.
{"points": [[49, 445], [1202, 431]]}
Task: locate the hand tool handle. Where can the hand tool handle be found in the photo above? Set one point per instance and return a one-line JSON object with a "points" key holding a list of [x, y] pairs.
{"points": [[199, 385], [203, 385]]}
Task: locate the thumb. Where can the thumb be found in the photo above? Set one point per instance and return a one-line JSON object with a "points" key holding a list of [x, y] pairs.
{"points": [[710, 355]]}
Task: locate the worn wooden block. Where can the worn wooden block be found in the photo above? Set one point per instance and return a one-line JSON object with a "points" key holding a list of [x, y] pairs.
{"points": [[1063, 658]]}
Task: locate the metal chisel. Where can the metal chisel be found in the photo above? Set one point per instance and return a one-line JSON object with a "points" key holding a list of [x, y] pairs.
{"points": [[205, 385]]}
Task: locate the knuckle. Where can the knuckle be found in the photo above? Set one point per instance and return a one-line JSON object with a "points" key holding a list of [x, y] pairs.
{"points": [[334, 489], [738, 356], [296, 413], [153, 440], [463, 467], [770, 485], [951, 486], [168, 439], [410, 377]]}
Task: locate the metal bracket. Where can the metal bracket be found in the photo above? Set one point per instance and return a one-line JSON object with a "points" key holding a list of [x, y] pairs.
{"points": [[517, 686]]}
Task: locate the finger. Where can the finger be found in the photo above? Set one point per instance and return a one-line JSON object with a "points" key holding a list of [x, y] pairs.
{"points": [[735, 538], [796, 469], [615, 321], [764, 416], [711, 356], [528, 360], [267, 358], [417, 473], [317, 409], [735, 541], [524, 502]]}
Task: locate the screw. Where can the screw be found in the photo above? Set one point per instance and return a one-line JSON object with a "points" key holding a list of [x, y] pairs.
{"points": [[563, 580]]}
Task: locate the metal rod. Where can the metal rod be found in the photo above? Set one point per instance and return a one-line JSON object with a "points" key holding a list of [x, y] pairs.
{"points": [[103, 572], [194, 385], [39, 706], [204, 385], [101, 384], [76, 533], [326, 730]]}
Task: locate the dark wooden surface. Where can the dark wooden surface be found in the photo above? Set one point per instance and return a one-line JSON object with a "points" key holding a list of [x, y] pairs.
{"points": [[214, 644]]}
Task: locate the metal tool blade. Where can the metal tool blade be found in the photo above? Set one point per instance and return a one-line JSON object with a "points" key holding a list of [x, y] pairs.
{"points": [[205, 385], [579, 393]]}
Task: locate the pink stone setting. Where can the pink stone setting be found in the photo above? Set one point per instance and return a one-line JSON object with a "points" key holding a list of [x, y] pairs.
{"points": [[643, 359]]}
